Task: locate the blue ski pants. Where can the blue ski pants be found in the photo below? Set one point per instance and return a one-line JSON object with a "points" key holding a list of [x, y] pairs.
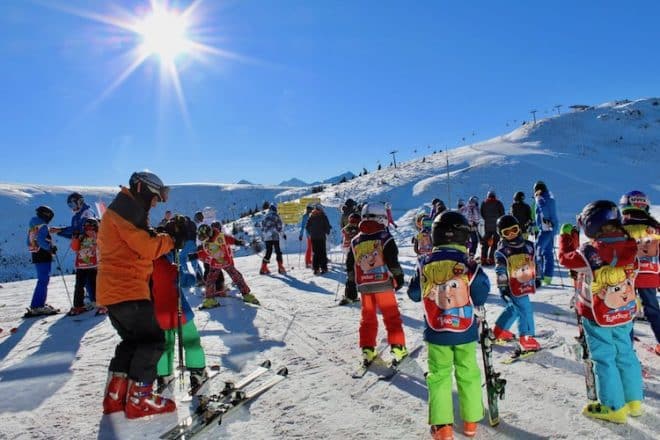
{"points": [[189, 279], [518, 308], [651, 309], [41, 289], [545, 262], [618, 372]]}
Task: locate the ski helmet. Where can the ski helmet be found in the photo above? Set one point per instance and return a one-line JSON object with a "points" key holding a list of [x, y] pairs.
{"points": [[204, 232], [519, 196], [350, 203], [419, 219], [491, 195], [439, 206], [540, 186], [147, 185], [75, 201], [375, 212], [309, 208], [198, 217], [597, 214], [474, 200], [216, 225], [460, 203], [634, 200], [450, 227], [508, 227], [91, 223], [273, 207], [354, 218], [45, 213]]}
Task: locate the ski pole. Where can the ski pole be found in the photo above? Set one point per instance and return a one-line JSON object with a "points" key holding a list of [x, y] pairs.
{"points": [[59, 267], [561, 277], [299, 253], [179, 326]]}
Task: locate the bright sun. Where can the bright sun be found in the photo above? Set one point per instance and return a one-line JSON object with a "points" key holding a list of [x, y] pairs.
{"points": [[164, 34]]}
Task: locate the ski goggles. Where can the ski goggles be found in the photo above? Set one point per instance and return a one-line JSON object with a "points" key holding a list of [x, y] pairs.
{"points": [[510, 232]]}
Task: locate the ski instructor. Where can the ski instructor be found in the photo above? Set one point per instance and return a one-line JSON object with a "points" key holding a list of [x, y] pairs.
{"points": [[127, 247]]}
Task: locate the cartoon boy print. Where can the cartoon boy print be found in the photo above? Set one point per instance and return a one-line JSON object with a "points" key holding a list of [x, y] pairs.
{"points": [[613, 296], [369, 257], [522, 274], [446, 292]]}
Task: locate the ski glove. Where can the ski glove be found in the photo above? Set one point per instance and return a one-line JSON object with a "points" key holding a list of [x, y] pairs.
{"points": [[176, 228], [300, 237], [284, 236], [399, 281]]}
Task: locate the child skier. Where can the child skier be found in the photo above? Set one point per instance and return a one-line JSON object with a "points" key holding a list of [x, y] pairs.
{"points": [[165, 293], [422, 242], [350, 231], [607, 304], [450, 286], [472, 214], [303, 232], [516, 275], [84, 245], [642, 227], [217, 253], [372, 264], [42, 249]]}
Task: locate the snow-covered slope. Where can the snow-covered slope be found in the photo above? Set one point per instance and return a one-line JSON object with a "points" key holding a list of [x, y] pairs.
{"points": [[53, 370]]}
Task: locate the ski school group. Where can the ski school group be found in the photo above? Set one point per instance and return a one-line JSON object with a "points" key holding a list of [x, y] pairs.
{"points": [[137, 277]]}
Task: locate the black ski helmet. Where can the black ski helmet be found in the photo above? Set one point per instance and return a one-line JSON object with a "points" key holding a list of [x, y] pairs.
{"points": [[45, 213], [506, 221], [146, 185], [450, 227], [92, 223], [198, 217], [75, 200], [204, 232], [491, 195], [354, 218], [540, 186], [519, 196], [439, 206], [597, 214]]}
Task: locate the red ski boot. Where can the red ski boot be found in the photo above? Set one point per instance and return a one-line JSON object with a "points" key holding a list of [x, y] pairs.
{"points": [[528, 343], [142, 402], [280, 268], [264, 269], [115, 393], [503, 334]]}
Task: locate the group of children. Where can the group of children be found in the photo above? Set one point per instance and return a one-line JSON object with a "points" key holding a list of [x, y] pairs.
{"points": [[618, 264]]}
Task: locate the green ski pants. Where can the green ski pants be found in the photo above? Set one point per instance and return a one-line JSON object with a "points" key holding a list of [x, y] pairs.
{"points": [[462, 359], [192, 348]]}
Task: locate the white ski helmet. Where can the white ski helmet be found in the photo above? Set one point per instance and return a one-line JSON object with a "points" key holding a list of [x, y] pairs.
{"points": [[376, 212]]}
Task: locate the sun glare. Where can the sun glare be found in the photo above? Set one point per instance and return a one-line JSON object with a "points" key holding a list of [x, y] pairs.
{"points": [[167, 33], [164, 34]]}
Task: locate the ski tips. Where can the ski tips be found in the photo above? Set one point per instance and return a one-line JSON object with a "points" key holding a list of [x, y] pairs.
{"points": [[284, 371], [266, 364]]}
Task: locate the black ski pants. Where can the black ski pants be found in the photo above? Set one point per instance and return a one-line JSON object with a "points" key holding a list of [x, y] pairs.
{"points": [[270, 245], [142, 340], [84, 277], [489, 245], [319, 254]]}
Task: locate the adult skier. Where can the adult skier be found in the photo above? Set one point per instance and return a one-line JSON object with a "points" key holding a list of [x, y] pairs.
{"points": [[127, 248], [303, 231], [522, 212], [547, 224], [271, 228], [318, 227], [491, 209]]}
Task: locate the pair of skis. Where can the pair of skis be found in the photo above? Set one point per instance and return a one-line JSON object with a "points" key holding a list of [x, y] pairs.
{"points": [[495, 384], [216, 407], [386, 370]]}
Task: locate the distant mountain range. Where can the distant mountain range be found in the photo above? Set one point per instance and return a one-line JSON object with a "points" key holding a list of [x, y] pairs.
{"points": [[332, 180]]}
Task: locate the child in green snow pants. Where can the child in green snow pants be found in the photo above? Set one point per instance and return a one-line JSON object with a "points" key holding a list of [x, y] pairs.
{"points": [[463, 360], [192, 348]]}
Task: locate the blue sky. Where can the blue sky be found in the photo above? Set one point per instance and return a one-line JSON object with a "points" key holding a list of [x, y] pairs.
{"points": [[320, 87]]}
